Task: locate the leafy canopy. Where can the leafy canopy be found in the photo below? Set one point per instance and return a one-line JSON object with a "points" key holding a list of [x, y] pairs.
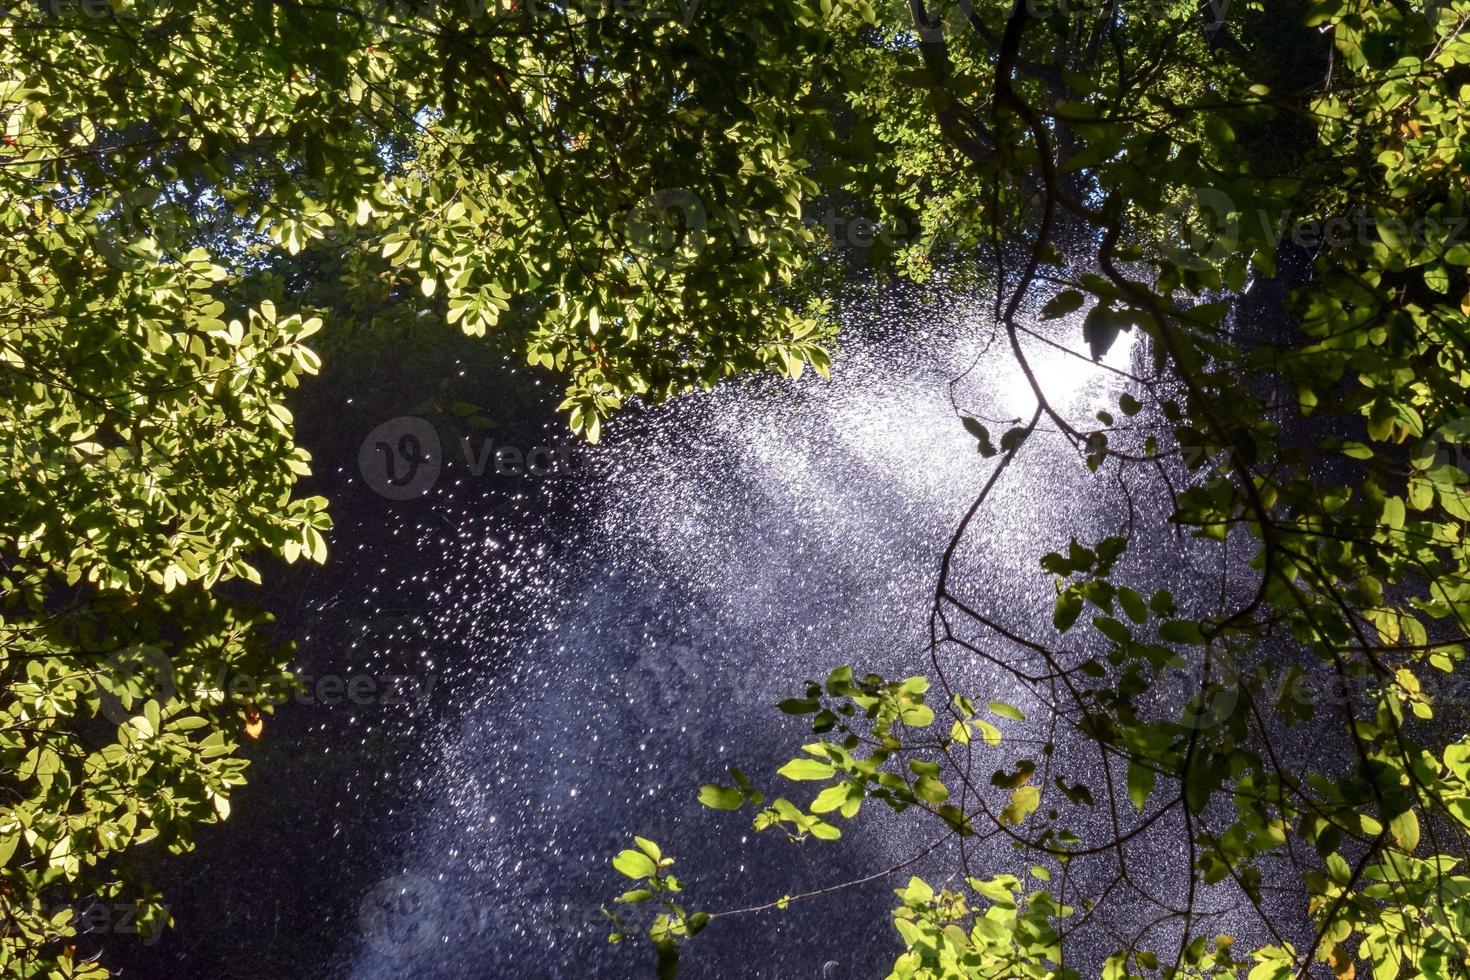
{"points": [[1147, 169], [631, 198], [563, 175]]}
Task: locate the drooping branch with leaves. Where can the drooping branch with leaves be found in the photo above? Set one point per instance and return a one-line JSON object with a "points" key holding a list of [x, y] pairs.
{"points": [[1150, 170]]}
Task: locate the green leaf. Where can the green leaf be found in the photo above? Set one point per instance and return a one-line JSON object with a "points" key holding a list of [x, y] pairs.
{"points": [[824, 831], [1181, 631], [799, 770], [668, 960], [1457, 758], [1405, 830], [916, 715], [1079, 794], [1004, 710], [1140, 784], [831, 798], [982, 436], [957, 819], [930, 790], [1112, 629], [1133, 605], [1024, 802], [1068, 608], [1063, 303], [1000, 890], [839, 681], [1013, 438], [634, 897], [1100, 329], [634, 864], [917, 893], [1025, 769]]}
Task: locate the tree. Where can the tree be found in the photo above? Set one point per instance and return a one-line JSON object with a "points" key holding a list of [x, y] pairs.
{"points": [[636, 198], [1143, 167], [576, 165], [148, 454]]}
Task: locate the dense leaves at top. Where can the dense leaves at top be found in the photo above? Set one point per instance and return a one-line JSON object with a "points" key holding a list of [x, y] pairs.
{"points": [[583, 170]]}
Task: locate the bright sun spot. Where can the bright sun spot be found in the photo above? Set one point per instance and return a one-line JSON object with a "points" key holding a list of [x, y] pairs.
{"points": [[1069, 379]]}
